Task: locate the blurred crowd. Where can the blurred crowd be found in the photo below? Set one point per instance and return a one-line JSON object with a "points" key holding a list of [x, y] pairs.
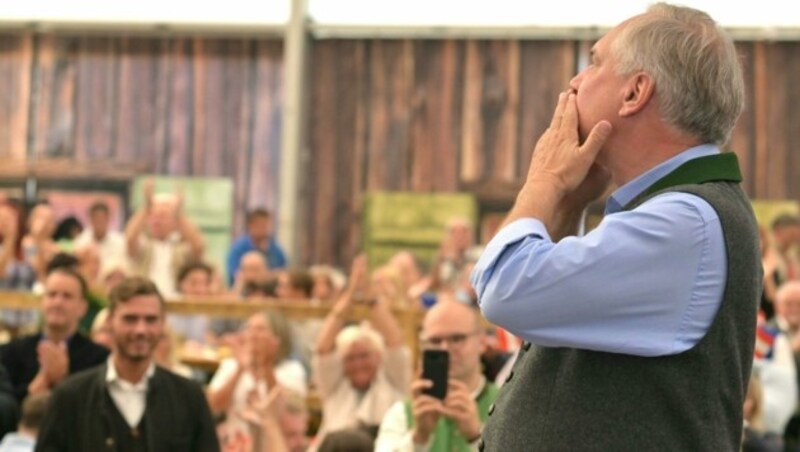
{"points": [[270, 383], [320, 383]]}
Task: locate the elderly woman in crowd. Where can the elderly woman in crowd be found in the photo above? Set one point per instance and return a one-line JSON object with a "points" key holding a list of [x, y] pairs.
{"points": [[360, 370], [38, 247], [260, 361], [260, 365]]}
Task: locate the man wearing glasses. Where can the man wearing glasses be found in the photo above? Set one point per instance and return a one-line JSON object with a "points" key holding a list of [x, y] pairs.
{"points": [[423, 422]]}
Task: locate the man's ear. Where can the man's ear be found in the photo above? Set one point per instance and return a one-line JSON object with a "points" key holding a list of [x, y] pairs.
{"points": [[638, 91], [84, 308], [484, 341]]}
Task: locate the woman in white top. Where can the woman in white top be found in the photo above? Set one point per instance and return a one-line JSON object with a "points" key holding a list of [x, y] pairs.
{"points": [[260, 362]]}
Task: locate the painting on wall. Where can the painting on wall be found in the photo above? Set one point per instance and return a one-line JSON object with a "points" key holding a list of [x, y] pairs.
{"points": [[77, 203]]}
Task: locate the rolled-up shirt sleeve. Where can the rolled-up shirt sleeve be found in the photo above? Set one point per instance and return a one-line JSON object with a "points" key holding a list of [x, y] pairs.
{"points": [[397, 365], [506, 238], [645, 282]]}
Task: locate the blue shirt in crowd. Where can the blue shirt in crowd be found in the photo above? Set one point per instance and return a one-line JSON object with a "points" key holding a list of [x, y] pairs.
{"points": [[243, 245], [645, 282]]}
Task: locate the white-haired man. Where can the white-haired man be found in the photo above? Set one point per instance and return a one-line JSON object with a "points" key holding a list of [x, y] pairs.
{"points": [[360, 370], [645, 326]]}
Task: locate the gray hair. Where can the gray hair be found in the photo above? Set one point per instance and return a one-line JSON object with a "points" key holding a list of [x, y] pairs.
{"points": [[699, 84], [357, 333]]}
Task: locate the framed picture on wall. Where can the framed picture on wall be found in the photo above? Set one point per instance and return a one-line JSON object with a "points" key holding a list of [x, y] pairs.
{"points": [[72, 198], [70, 203]]}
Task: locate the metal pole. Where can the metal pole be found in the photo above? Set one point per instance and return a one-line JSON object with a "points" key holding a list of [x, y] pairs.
{"points": [[290, 213]]}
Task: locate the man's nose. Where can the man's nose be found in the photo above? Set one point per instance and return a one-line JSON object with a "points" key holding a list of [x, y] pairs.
{"points": [[445, 345], [575, 82], [140, 326], [58, 299]]}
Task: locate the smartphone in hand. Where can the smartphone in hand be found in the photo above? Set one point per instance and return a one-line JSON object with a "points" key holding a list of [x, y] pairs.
{"points": [[435, 367]]}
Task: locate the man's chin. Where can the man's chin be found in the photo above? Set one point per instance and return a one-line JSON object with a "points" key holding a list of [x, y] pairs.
{"points": [[139, 358], [137, 355], [57, 324]]}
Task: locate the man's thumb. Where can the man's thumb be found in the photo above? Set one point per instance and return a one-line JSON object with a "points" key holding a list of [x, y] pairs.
{"points": [[596, 139]]}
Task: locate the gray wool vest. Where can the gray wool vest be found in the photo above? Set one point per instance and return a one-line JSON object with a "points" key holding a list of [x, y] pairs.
{"points": [[560, 399]]}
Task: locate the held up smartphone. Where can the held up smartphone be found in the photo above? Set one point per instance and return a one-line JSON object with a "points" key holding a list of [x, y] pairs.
{"points": [[435, 366]]}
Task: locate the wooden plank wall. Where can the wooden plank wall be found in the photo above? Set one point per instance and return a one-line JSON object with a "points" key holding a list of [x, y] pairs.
{"points": [[424, 116], [768, 133], [454, 115], [419, 115], [15, 64], [177, 106]]}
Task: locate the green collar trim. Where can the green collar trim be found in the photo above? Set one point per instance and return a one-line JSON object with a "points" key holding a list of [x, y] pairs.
{"points": [[711, 168]]}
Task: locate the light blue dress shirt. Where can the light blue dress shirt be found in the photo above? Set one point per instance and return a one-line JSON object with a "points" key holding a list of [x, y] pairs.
{"points": [[645, 282], [274, 255]]}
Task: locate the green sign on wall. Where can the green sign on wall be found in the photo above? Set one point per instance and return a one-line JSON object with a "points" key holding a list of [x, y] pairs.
{"points": [[208, 203], [395, 221]]}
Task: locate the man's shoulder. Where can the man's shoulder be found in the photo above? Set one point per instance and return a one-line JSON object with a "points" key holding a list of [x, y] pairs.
{"points": [[678, 207], [79, 382], [274, 245], [115, 237], [25, 340], [175, 384], [242, 242], [400, 410], [87, 349], [14, 441], [22, 343], [164, 375], [491, 390]]}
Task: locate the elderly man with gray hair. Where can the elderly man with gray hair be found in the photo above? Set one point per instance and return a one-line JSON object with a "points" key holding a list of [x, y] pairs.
{"points": [[360, 370]]}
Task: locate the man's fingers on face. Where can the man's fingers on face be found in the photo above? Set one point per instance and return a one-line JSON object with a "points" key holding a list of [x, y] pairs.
{"points": [[570, 117], [559, 112]]}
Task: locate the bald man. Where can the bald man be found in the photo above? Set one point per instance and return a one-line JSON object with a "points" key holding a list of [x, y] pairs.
{"points": [[427, 423], [787, 311], [253, 268]]}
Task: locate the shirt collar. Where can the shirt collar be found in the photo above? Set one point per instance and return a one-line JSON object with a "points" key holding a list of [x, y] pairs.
{"points": [[625, 194], [171, 238], [783, 325], [252, 243], [477, 392], [67, 340], [112, 377]]}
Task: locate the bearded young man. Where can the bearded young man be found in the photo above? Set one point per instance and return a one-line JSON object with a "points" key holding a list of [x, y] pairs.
{"points": [[129, 403]]}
